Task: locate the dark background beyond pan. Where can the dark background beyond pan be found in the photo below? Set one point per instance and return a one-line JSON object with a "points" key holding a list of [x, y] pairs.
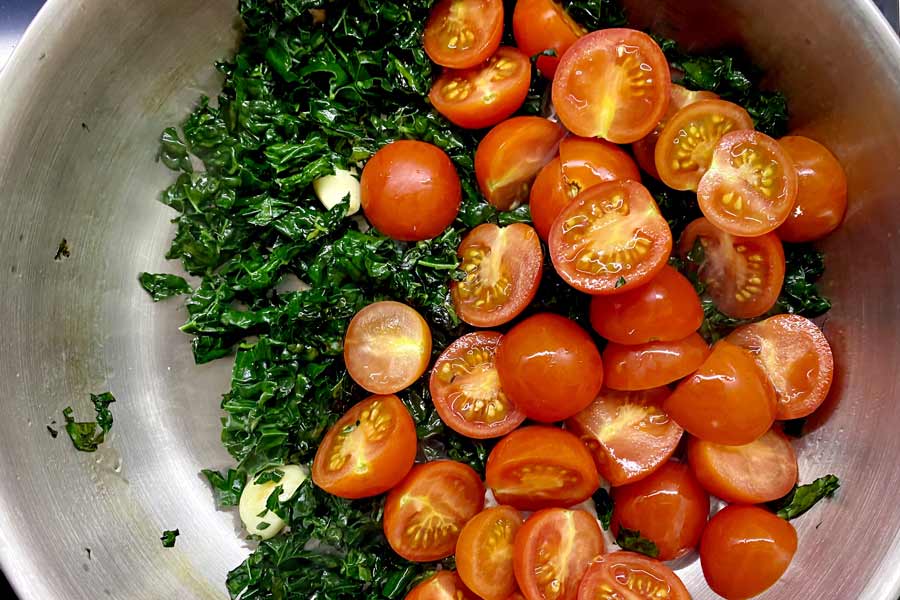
{"points": [[15, 15]]}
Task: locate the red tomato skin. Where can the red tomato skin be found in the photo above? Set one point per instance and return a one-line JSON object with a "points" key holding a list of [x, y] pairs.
{"points": [[665, 309], [728, 400], [410, 191], [540, 25], [490, 17], [548, 197], [550, 367], [822, 194], [646, 366], [745, 550], [440, 586], [669, 507]]}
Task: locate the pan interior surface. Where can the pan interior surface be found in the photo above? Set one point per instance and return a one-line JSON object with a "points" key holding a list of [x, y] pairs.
{"points": [[85, 97]]}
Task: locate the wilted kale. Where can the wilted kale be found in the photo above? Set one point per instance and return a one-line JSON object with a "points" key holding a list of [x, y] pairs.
{"points": [[595, 14], [604, 503], [804, 497], [161, 285], [88, 435], [634, 541], [168, 538]]}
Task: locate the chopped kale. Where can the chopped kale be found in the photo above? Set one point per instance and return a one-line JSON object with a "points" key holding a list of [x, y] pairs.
{"points": [[804, 497], [634, 541], [168, 538], [88, 435], [604, 503], [161, 286]]}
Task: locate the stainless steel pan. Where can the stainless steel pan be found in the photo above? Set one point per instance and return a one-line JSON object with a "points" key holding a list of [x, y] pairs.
{"points": [[81, 106]]}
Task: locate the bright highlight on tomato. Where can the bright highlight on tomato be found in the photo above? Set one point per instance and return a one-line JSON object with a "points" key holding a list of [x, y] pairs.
{"points": [[503, 267], [613, 84], [611, 239], [511, 155], [739, 536], [540, 25], [540, 467], [630, 576], [484, 552], [728, 400], [424, 514], [368, 451], [550, 367], [796, 357], [628, 433], [387, 347], [685, 146], [742, 275], [553, 550], [466, 391], [410, 191], [653, 364], [669, 508], [485, 94], [751, 184], [462, 33], [821, 192]]}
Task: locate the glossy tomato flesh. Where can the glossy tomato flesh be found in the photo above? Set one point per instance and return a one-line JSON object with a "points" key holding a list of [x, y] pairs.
{"points": [[653, 364], [511, 155], [761, 471], [539, 467], [612, 84], [728, 400], [745, 550], [424, 514], [664, 309], [484, 552], [462, 33], [540, 25], [796, 357], [503, 267], [465, 388], [610, 239], [552, 552], [630, 576], [750, 186], [443, 585], [628, 433], [550, 367], [742, 275], [410, 191], [485, 94], [368, 451], [821, 191], [669, 508]]}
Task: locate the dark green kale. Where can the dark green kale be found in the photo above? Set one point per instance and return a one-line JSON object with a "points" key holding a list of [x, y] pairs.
{"points": [[634, 541], [604, 503], [161, 285], [804, 497], [87, 436], [595, 14], [168, 538], [226, 488]]}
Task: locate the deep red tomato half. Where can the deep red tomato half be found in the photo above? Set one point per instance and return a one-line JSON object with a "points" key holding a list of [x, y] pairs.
{"points": [[441, 586], [630, 576], [463, 33], [653, 364], [540, 25], [484, 552]]}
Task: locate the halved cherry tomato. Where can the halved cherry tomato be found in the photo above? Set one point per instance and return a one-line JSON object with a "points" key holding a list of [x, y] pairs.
{"points": [[441, 586], [611, 239], [645, 149], [552, 552], [368, 451], [728, 400], [795, 355], [410, 191], [743, 276], [424, 514], [503, 267], [761, 471], [387, 347], [511, 155], [516, 596], [685, 146], [745, 550], [750, 186], [630, 576], [669, 508], [628, 433], [664, 309], [463, 33], [540, 25], [652, 364], [550, 367], [612, 84], [466, 389], [582, 164], [821, 192], [484, 552], [485, 94], [540, 467]]}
